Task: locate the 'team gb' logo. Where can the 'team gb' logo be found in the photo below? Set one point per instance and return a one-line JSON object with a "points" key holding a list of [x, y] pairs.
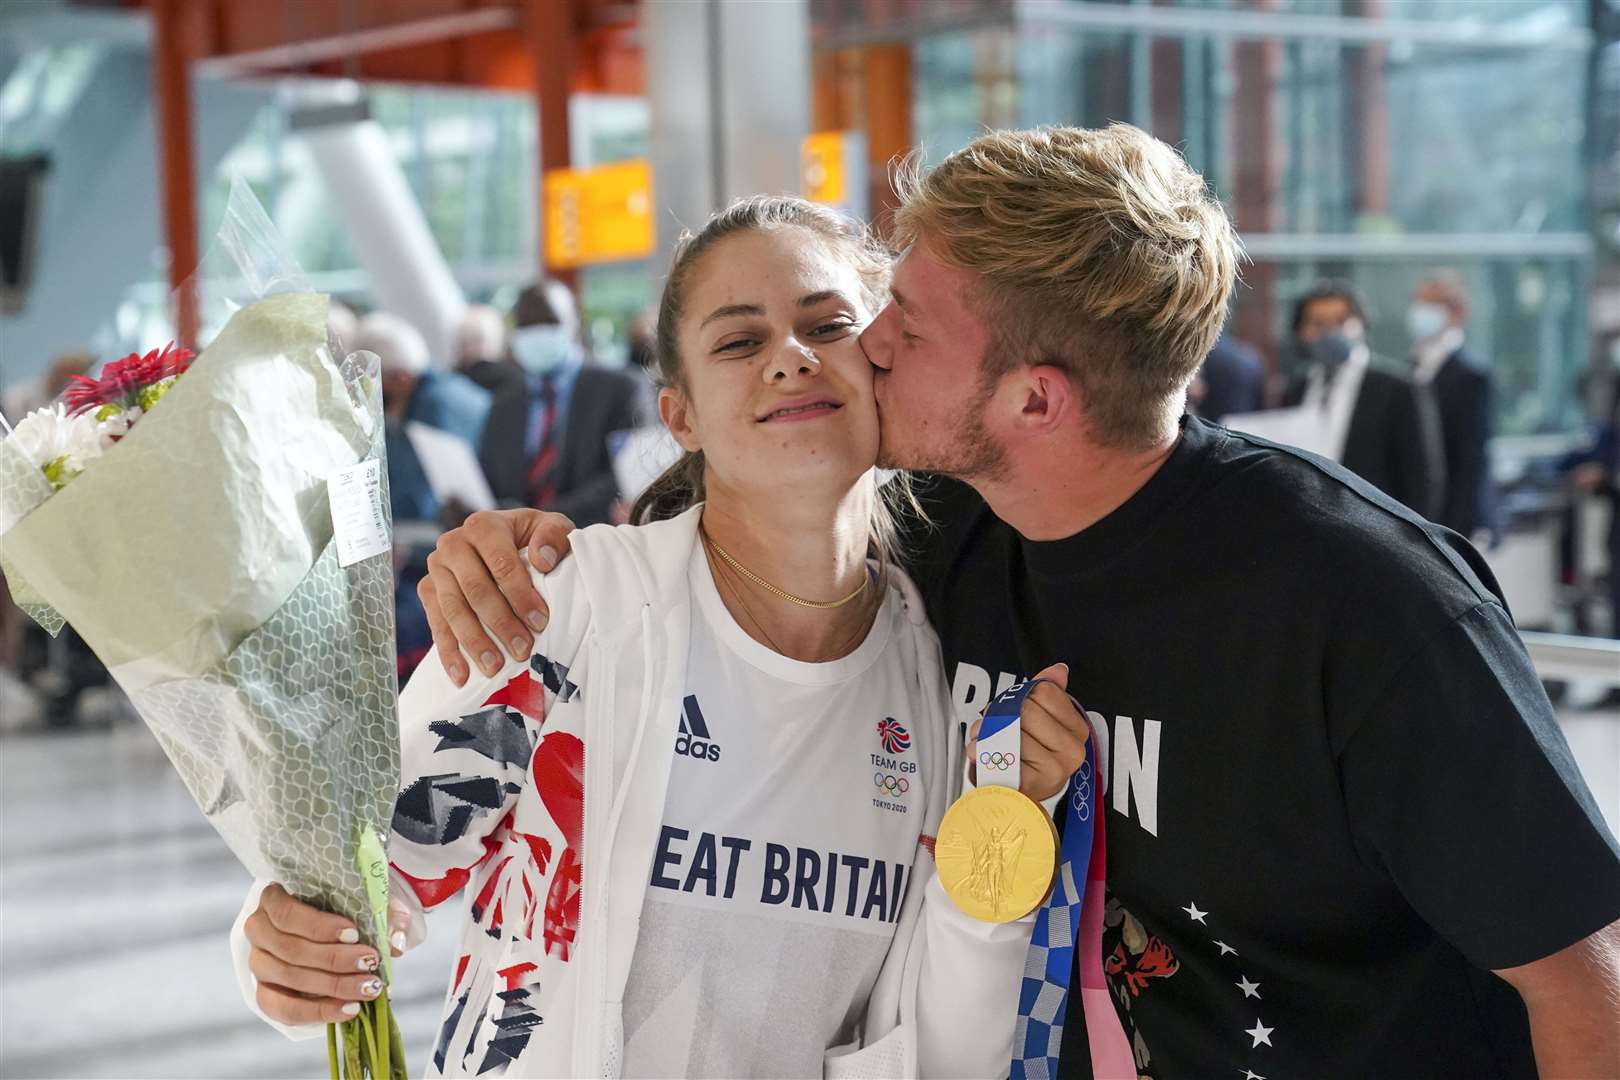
{"points": [[896, 739]]}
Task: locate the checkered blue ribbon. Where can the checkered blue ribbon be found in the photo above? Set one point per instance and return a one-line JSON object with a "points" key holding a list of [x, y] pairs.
{"points": [[1043, 999]]}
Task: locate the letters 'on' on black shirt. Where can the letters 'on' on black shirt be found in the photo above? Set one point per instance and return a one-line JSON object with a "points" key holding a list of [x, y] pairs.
{"points": [[1338, 796]]}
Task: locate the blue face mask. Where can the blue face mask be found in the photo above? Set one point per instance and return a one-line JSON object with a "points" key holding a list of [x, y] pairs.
{"points": [[1425, 320], [540, 350], [1328, 352]]}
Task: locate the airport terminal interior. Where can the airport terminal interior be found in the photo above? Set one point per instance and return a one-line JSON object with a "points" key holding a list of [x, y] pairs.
{"points": [[1424, 175]]}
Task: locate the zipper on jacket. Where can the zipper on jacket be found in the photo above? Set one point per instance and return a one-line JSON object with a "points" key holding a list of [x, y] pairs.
{"points": [[598, 858], [587, 1002]]}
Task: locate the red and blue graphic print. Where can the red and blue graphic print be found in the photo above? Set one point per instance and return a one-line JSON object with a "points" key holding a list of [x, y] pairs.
{"points": [[479, 793], [896, 739]]}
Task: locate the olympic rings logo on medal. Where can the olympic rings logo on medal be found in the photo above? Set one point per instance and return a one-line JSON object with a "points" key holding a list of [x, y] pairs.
{"points": [[891, 784], [995, 759]]}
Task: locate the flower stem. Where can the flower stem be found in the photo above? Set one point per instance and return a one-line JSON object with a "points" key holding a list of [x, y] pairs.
{"points": [[383, 1041], [370, 1043], [331, 1051]]}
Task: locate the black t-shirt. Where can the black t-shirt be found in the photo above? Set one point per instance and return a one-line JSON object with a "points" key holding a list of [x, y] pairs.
{"points": [[1338, 796]]}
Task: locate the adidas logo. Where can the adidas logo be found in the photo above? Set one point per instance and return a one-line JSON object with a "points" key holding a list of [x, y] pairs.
{"points": [[694, 739]]}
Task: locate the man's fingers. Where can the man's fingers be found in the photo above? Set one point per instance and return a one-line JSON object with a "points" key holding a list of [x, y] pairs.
{"points": [[1052, 720], [1057, 704], [459, 580], [294, 917], [444, 642], [1057, 673], [547, 540], [1040, 780], [1046, 734], [495, 540], [288, 1008]]}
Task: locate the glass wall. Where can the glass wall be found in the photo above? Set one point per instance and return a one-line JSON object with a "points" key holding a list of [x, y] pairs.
{"points": [[1373, 140]]}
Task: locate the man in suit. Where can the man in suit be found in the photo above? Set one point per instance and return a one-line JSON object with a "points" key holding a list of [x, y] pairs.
{"points": [[1379, 424], [1231, 381], [546, 443], [1463, 392]]}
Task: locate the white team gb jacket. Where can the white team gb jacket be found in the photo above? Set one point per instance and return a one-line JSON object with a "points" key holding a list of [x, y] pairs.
{"points": [[539, 794]]}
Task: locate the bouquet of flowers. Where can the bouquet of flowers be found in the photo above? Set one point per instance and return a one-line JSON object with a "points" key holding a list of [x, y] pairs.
{"points": [[217, 530]]}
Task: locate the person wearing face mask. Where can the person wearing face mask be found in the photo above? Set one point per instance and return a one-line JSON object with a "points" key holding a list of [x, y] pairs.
{"points": [[1463, 391], [1379, 424], [546, 443]]}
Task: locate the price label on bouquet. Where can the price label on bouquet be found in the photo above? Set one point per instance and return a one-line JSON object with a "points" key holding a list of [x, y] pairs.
{"points": [[359, 524]]}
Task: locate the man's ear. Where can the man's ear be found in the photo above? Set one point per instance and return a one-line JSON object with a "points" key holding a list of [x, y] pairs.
{"points": [[1046, 397], [676, 412]]}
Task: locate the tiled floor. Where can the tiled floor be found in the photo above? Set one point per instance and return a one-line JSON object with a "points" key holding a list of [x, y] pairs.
{"points": [[116, 897]]}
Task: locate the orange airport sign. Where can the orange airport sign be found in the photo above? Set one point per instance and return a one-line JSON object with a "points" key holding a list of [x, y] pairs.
{"points": [[597, 215]]}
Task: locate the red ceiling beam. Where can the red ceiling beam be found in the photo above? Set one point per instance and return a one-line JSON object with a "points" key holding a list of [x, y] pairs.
{"points": [[178, 35]]}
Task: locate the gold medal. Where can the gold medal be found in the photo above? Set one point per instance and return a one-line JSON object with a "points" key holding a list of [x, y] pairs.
{"points": [[996, 854]]}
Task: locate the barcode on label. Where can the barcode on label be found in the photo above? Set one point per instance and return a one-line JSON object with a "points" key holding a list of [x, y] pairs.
{"points": [[358, 523]]}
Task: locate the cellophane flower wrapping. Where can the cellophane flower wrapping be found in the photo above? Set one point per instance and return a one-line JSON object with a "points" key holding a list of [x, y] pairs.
{"points": [[197, 558]]}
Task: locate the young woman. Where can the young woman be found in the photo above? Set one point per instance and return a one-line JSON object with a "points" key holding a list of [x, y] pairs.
{"points": [[694, 827]]}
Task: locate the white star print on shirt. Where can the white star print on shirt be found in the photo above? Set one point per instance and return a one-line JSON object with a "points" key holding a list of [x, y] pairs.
{"points": [[1260, 1033], [1197, 916], [1248, 1075], [1250, 989], [1225, 948]]}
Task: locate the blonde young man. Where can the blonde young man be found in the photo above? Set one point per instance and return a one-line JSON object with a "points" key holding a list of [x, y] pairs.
{"points": [[1346, 836]]}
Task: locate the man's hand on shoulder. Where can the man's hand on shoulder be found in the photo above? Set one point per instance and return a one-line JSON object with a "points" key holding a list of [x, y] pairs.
{"points": [[478, 577]]}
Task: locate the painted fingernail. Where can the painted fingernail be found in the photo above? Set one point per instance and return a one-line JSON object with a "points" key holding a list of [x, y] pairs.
{"points": [[520, 647], [349, 935], [548, 557], [489, 663], [397, 940], [367, 963], [371, 988], [536, 621], [350, 1008]]}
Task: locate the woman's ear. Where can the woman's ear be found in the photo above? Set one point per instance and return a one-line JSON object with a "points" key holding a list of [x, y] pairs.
{"points": [[676, 412]]}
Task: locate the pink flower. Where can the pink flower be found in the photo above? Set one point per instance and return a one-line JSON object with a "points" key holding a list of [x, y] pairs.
{"points": [[122, 381]]}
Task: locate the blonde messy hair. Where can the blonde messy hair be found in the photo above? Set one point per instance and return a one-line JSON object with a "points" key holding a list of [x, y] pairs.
{"points": [[1099, 252]]}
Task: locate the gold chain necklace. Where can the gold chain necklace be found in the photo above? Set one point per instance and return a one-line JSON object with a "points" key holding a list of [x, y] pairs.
{"points": [[781, 594], [861, 625]]}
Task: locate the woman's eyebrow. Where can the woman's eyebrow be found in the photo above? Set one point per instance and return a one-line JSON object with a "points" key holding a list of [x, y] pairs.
{"points": [[729, 310], [812, 299]]}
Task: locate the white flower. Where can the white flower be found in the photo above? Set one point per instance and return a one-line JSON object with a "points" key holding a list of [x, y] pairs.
{"points": [[59, 444], [116, 425]]}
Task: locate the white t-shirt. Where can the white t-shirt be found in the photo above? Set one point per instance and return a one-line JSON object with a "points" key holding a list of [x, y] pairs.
{"points": [[789, 830]]}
